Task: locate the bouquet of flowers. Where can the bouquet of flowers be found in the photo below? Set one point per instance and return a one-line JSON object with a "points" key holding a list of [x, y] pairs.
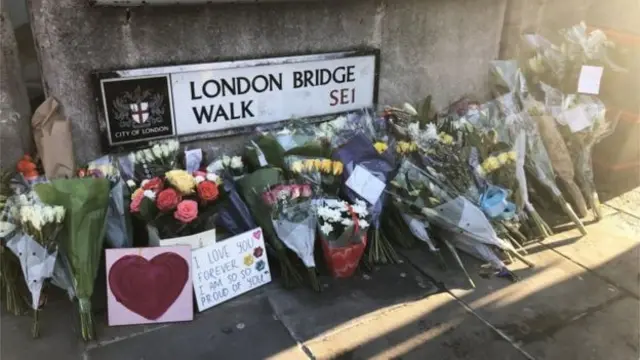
{"points": [[325, 174], [293, 216], [36, 246], [119, 229], [9, 264], [231, 165], [177, 203], [343, 233], [151, 162], [86, 202]]}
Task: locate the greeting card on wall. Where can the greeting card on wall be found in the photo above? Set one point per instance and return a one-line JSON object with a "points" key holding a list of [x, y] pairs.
{"points": [[149, 285], [229, 268]]}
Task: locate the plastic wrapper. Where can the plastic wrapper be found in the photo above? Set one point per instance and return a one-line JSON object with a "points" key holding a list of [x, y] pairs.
{"points": [[234, 216]]}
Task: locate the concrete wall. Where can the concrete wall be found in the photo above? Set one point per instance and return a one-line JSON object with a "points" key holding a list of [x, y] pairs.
{"points": [[427, 46], [15, 113]]}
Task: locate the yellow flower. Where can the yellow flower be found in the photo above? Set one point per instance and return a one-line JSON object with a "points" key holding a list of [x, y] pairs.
{"points": [[326, 166], [308, 165], [446, 138], [503, 158], [403, 147], [513, 156], [136, 193], [434, 200], [380, 147], [182, 181], [413, 146], [490, 164], [296, 166], [337, 168], [248, 260], [317, 164]]}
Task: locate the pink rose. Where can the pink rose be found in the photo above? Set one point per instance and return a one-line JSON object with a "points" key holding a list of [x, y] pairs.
{"points": [[295, 191], [186, 212], [269, 197], [200, 173], [306, 190], [138, 196]]}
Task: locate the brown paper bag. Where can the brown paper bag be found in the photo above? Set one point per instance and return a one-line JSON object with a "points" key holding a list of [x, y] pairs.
{"points": [[52, 135]]}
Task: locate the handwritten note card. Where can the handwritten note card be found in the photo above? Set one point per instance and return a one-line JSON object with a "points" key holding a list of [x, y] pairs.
{"points": [[589, 81], [576, 118], [229, 268], [365, 184]]}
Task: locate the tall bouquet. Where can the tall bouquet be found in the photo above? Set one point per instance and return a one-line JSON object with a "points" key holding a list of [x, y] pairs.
{"points": [[36, 247], [325, 174], [294, 218], [343, 233], [86, 202], [152, 161]]}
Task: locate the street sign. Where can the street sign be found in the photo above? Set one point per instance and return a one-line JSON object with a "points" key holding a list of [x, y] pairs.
{"points": [[224, 98]]}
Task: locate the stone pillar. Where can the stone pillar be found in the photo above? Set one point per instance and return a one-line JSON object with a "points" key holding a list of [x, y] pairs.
{"points": [[15, 112]]}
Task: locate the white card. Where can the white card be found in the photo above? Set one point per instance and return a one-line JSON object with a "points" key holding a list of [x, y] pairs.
{"points": [[193, 158], [576, 118], [365, 184], [589, 81]]}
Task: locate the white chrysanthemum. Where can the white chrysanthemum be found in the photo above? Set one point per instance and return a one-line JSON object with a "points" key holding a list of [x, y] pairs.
{"points": [[23, 200], [347, 222], [6, 228], [48, 215], [199, 179], [150, 194], [430, 132], [236, 162], [131, 183], [360, 208], [326, 228], [363, 224], [226, 161]]}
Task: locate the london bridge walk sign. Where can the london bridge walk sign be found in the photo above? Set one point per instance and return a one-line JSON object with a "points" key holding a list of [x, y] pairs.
{"points": [[153, 103]]}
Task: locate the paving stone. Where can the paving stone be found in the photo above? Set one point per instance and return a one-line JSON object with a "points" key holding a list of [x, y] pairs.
{"points": [[433, 328]]}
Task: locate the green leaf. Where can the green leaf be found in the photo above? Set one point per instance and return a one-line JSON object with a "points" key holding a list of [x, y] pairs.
{"points": [[148, 209]]}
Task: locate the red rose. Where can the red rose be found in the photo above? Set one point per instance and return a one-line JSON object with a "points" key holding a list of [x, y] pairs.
{"points": [[156, 184], [186, 212], [168, 199], [208, 191]]}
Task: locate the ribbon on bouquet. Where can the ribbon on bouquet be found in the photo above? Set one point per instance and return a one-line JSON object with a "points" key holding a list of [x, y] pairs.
{"points": [[494, 204]]}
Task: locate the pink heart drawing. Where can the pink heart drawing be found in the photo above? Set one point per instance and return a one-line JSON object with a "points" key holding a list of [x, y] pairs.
{"points": [[257, 234]]}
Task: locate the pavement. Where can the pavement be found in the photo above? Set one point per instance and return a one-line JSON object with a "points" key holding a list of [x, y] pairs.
{"points": [[580, 301]]}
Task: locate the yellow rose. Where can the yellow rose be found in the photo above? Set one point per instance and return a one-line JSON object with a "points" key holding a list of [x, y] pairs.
{"points": [[490, 164], [296, 166], [403, 147], [503, 158], [182, 181], [326, 166], [380, 147], [317, 164], [136, 193], [308, 165], [338, 167], [446, 138], [513, 156], [413, 146]]}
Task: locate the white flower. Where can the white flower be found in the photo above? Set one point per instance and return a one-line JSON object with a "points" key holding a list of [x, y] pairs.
{"points": [[140, 157], [150, 194], [213, 177], [144, 182], [236, 162], [23, 200], [132, 157], [199, 179], [6, 228], [174, 145], [363, 224], [157, 152], [360, 208], [59, 213], [164, 149], [226, 161], [215, 166], [48, 215], [431, 132], [410, 109], [326, 228], [131, 183], [347, 222]]}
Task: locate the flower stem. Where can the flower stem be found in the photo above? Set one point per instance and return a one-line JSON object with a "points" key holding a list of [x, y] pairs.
{"points": [[35, 329]]}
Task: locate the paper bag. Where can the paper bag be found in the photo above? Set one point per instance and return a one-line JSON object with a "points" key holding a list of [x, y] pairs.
{"points": [[52, 135]]}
